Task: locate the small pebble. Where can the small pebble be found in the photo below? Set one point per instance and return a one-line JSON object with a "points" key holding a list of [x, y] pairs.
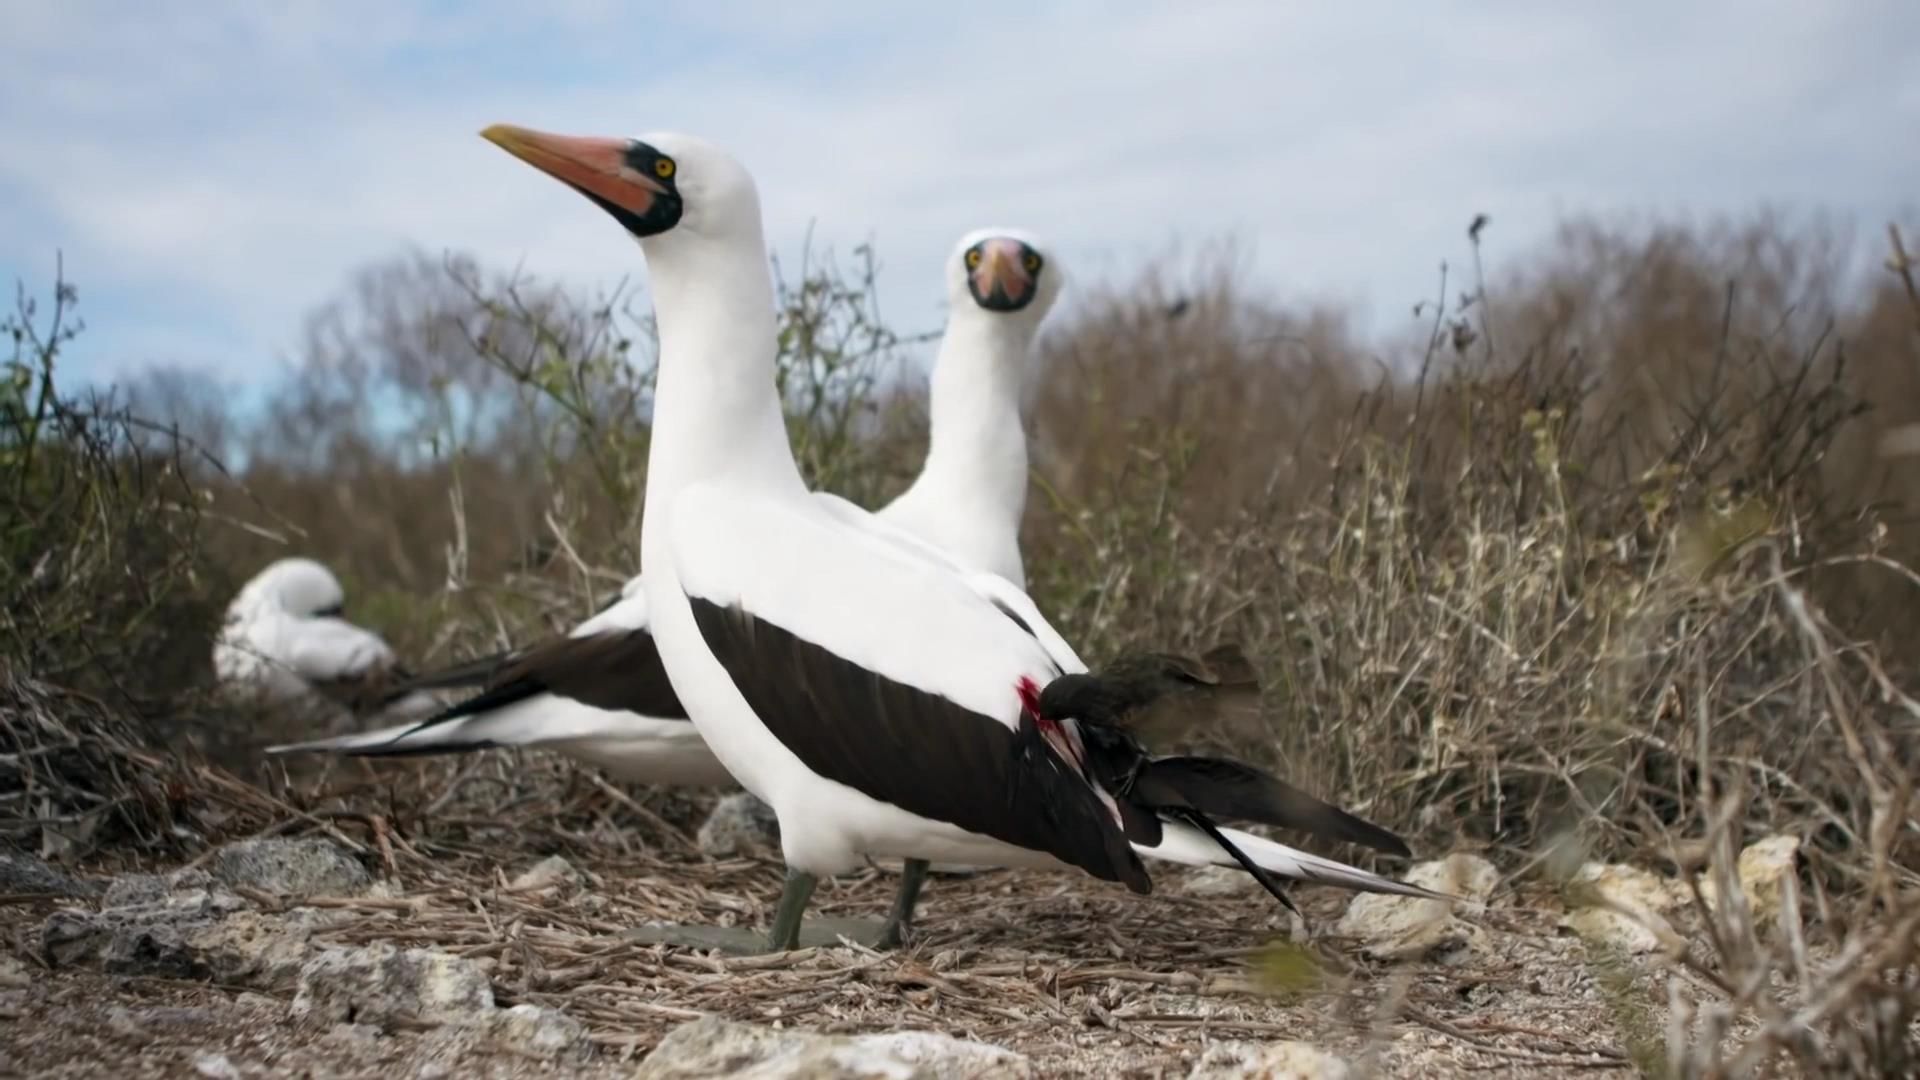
{"points": [[215, 1066]]}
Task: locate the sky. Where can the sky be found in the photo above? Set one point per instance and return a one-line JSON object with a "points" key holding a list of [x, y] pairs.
{"points": [[210, 171]]}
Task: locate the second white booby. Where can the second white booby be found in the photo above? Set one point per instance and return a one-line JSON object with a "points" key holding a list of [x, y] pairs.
{"points": [[286, 642]]}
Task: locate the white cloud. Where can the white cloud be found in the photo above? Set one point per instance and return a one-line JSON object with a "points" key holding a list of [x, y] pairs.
{"points": [[245, 158]]}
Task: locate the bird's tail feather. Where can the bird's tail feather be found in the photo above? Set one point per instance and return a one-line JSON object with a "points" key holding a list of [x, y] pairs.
{"points": [[374, 743], [1183, 843]]}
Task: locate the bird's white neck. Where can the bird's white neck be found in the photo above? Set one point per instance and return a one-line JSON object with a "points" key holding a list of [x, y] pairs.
{"points": [[716, 412], [973, 487]]}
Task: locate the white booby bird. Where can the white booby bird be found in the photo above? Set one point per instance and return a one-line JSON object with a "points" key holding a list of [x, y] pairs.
{"points": [[286, 642], [884, 699]]}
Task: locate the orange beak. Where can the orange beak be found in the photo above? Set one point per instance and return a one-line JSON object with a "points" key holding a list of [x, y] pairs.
{"points": [[595, 166]]}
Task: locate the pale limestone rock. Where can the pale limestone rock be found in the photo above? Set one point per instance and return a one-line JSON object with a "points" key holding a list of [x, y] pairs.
{"points": [[1283, 1060], [548, 873], [541, 1032], [216, 1067], [716, 1047], [1763, 869], [1623, 907], [376, 983], [1411, 928]]}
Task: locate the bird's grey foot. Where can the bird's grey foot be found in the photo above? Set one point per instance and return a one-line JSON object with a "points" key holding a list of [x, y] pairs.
{"points": [[893, 931]]}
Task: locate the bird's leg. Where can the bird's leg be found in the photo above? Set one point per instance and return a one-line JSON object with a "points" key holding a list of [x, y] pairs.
{"points": [[793, 904], [912, 876]]}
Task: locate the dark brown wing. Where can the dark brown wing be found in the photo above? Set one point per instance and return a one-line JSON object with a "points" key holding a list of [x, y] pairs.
{"points": [[915, 750], [1226, 665], [1159, 696], [1233, 791]]}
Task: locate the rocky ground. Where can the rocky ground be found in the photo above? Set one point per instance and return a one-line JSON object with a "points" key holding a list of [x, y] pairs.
{"points": [[300, 958]]}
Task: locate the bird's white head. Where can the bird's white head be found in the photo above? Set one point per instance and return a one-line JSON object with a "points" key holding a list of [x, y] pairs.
{"points": [[662, 188], [1005, 272], [301, 587]]}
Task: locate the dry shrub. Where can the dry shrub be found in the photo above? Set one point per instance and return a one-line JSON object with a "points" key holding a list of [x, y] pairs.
{"points": [[104, 583], [1616, 573], [1832, 986], [77, 774]]}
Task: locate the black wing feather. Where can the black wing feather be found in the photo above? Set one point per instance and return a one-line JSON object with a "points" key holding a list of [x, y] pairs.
{"points": [[619, 670], [916, 750]]}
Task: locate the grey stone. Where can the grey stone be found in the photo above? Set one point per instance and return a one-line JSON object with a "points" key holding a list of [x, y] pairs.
{"points": [[21, 873], [251, 949], [379, 983], [123, 1023], [190, 933], [72, 938], [353, 1034], [159, 949], [183, 894], [713, 1047], [141, 890], [290, 868], [740, 822]]}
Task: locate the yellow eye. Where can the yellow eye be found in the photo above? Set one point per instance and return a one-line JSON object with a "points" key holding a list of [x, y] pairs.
{"points": [[973, 259], [1032, 262], [663, 168]]}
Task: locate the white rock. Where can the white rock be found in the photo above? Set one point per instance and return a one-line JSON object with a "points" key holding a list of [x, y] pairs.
{"points": [[1284, 1060], [13, 974], [215, 1066], [716, 1047], [1411, 928], [1220, 882], [545, 874], [543, 1032]]}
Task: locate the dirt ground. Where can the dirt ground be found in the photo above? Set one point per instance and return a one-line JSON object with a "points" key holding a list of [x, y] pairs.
{"points": [[1083, 978]]}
